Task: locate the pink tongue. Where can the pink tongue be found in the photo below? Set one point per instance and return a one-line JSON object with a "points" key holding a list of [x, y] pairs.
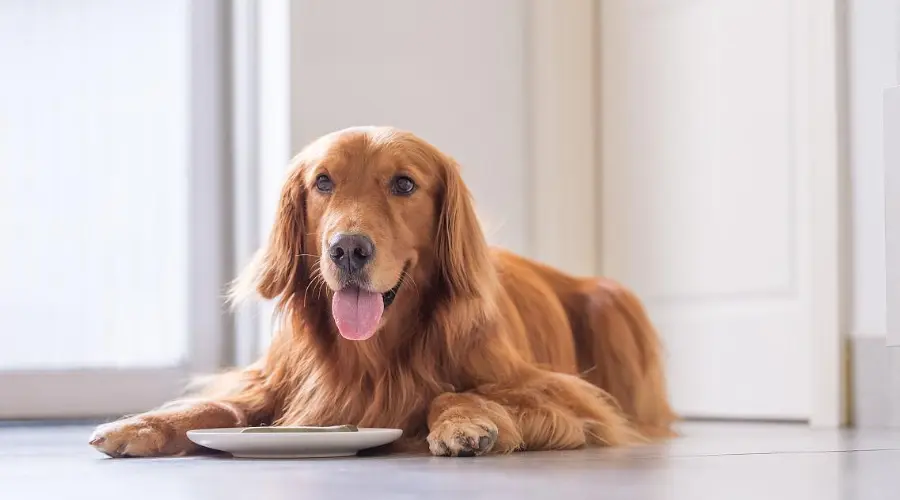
{"points": [[357, 312]]}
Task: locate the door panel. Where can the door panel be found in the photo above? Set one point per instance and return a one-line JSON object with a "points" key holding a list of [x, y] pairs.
{"points": [[704, 200]]}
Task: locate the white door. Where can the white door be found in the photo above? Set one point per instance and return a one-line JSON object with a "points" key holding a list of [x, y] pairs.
{"points": [[706, 194]]}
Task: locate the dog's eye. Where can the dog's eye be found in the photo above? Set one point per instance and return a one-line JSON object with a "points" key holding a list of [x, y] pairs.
{"points": [[402, 186], [324, 184]]}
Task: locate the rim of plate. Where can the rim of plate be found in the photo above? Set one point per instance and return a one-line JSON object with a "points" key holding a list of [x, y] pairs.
{"points": [[237, 431]]}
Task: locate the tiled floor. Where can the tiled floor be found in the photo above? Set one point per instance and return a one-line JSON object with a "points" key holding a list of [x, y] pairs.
{"points": [[712, 461]]}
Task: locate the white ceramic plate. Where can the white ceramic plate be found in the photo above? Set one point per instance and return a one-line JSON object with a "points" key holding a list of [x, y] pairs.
{"points": [[291, 444]]}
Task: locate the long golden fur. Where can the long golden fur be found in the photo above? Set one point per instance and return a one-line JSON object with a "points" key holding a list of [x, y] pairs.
{"points": [[482, 351]]}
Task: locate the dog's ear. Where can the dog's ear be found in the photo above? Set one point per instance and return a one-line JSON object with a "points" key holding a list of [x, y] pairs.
{"points": [[278, 269], [461, 249]]}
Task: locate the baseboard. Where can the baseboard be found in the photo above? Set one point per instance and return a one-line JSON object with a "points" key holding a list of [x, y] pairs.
{"points": [[893, 389], [874, 383]]}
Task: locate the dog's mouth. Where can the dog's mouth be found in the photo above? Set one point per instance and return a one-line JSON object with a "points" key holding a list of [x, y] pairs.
{"points": [[357, 311], [388, 297]]}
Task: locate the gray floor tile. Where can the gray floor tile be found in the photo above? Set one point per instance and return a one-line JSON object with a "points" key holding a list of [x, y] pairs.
{"points": [[710, 461]]}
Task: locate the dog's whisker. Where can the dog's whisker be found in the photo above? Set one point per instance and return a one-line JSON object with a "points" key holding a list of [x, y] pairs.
{"points": [[406, 276], [306, 292], [315, 278], [321, 288]]}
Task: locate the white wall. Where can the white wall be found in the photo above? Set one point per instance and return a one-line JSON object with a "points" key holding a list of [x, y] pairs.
{"points": [[873, 57], [450, 71]]}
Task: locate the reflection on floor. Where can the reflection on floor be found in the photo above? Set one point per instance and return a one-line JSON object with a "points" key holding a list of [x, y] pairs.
{"points": [[714, 461]]}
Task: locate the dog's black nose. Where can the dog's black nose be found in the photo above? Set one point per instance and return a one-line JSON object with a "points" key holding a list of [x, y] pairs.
{"points": [[351, 252]]}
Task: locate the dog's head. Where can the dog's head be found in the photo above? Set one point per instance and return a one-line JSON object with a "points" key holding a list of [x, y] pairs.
{"points": [[369, 218]]}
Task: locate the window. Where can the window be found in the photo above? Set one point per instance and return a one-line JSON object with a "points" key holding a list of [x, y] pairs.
{"points": [[111, 203]]}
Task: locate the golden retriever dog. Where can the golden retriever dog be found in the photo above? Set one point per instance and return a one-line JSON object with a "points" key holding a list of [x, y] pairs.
{"points": [[394, 312]]}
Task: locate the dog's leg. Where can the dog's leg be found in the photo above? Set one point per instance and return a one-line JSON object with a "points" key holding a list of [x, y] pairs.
{"points": [[163, 432], [545, 411]]}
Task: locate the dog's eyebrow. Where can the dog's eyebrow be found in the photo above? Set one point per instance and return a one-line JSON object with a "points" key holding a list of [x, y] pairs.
{"points": [[320, 166], [417, 172], [411, 170]]}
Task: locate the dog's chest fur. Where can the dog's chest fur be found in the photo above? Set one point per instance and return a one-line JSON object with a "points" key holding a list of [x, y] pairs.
{"points": [[395, 398]]}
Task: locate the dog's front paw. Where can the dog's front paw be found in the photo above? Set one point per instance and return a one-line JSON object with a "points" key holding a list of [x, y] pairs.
{"points": [[140, 436], [462, 437]]}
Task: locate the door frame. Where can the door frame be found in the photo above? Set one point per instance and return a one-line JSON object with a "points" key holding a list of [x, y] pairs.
{"points": [[827, 105], [263, 76], [565, 118]]}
